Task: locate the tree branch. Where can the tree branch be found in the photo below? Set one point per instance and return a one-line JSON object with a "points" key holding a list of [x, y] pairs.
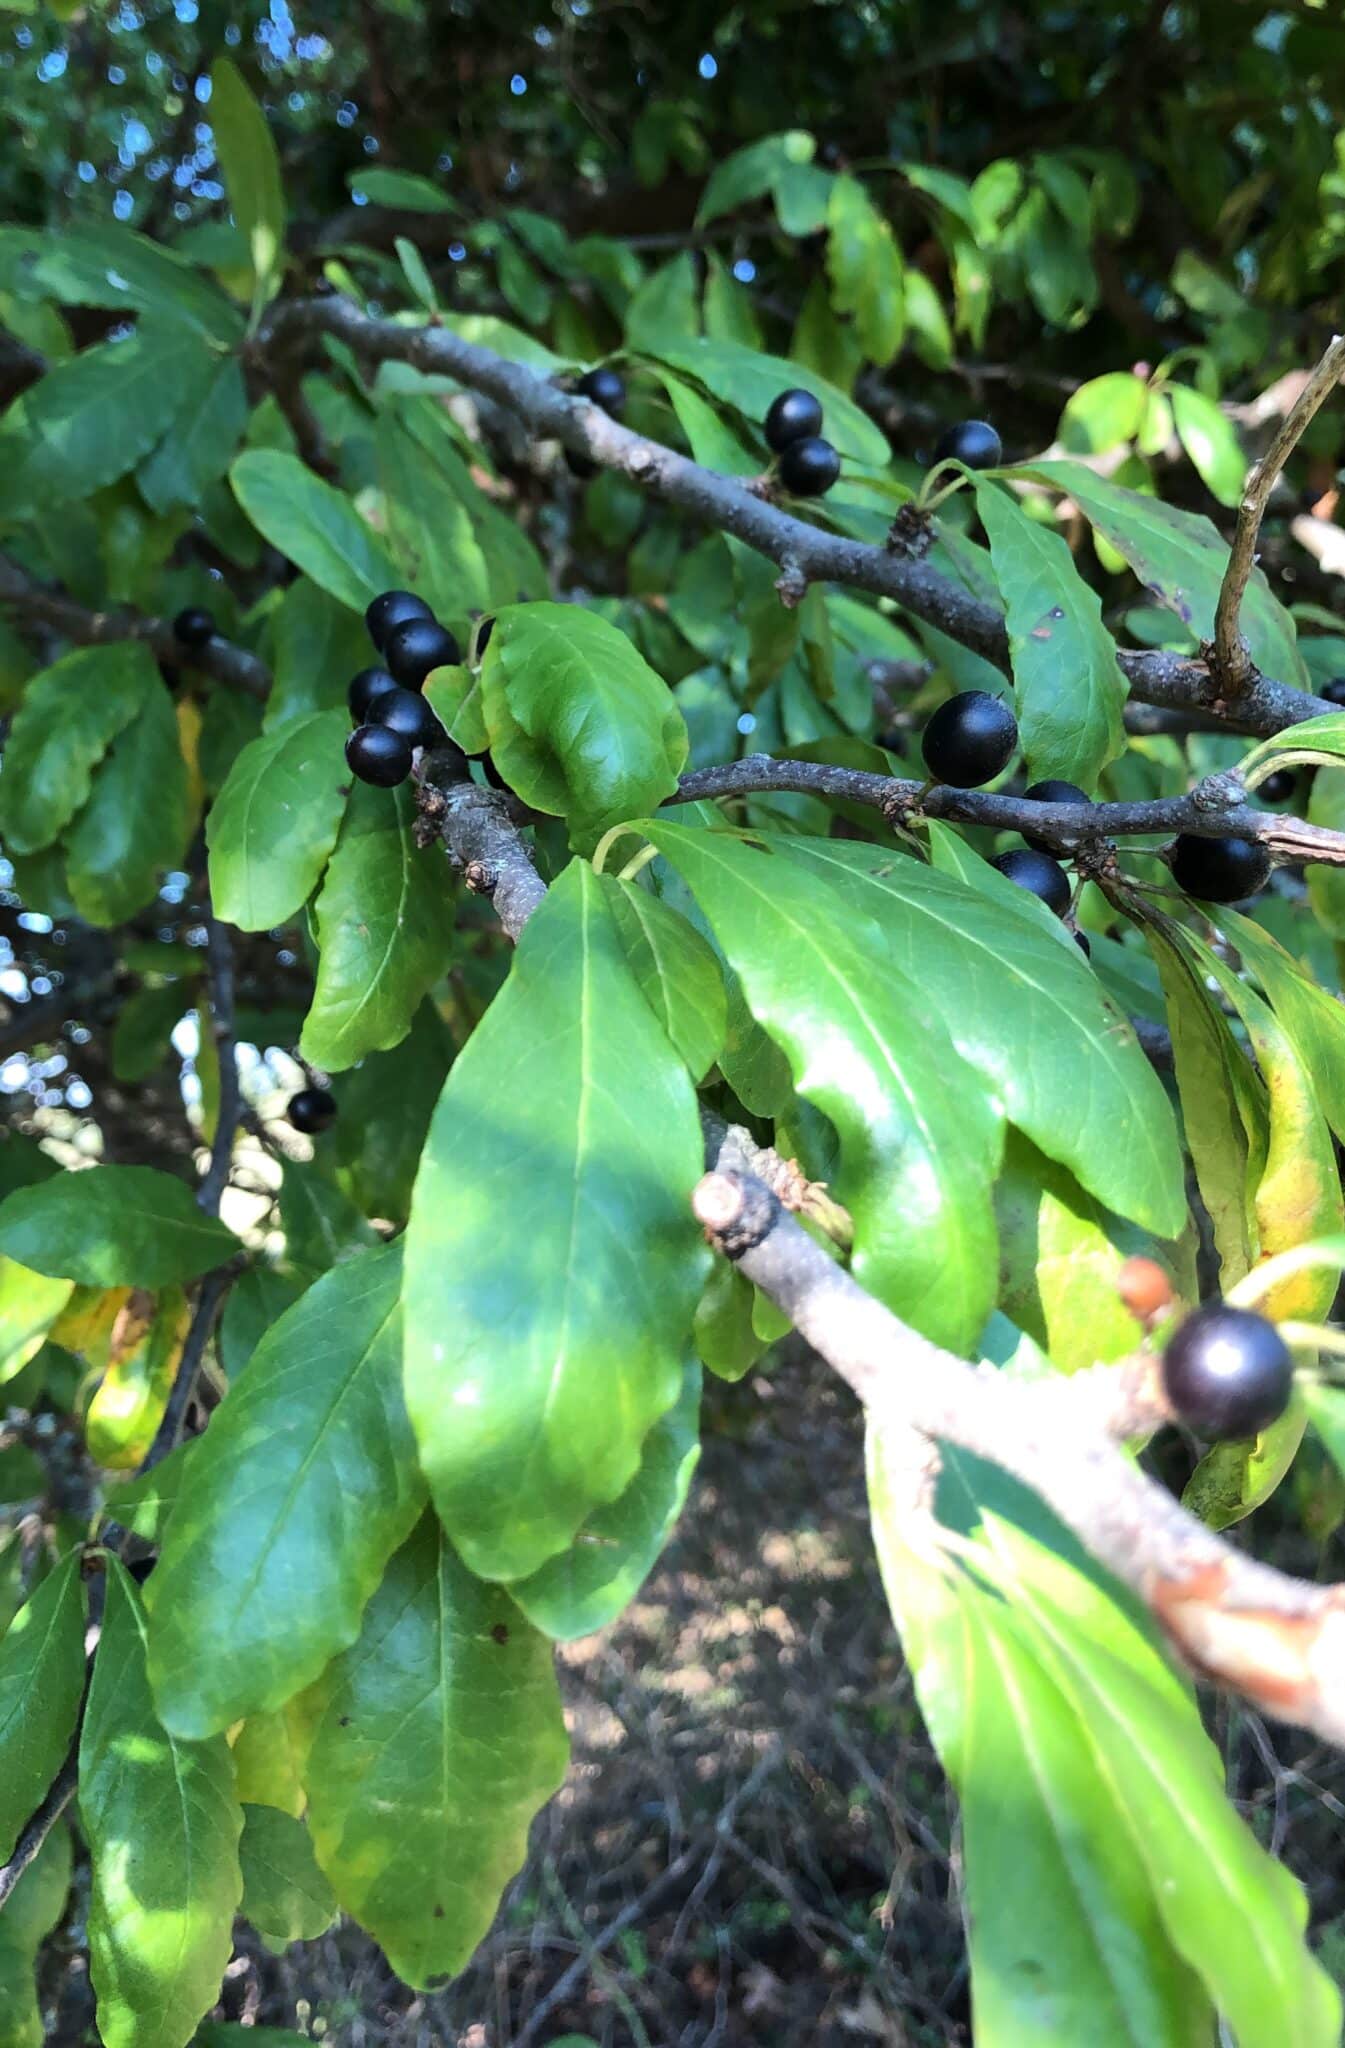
{"points": [[220, 980], [479, 834], [35, 1831]]}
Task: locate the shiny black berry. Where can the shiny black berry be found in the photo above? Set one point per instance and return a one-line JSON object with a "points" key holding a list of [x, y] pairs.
{"points": [[365, 689], [312, 1110], [417, 647], [407, 713], [794, 416], [973, 442], [377, 754], [1052, 792], [605, 387], [391, 610], [1037, 873], [970, 739], [1279, 787], [1227, 1372], [194, 627], [1334, 691], [809, 467], [1220, 870]]}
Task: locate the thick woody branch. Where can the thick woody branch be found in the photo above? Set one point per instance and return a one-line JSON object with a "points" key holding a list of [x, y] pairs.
{"points": [[1277, 1640], [483, 841], [1230, 657]]}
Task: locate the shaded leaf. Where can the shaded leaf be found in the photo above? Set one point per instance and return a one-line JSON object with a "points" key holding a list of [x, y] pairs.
{"points": [[137, 821], [312, 523], [276, 820], [285, 1895], [41, 1685], [251, 167], [32, 1910], [677, 971], [113, 1226], [68, 719], [748, 381], [200, 445]]}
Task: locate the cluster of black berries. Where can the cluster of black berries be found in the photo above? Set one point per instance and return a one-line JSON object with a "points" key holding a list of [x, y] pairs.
{"points": [[605, 388], [391, 717], [807, 465], [1227, 1373]]}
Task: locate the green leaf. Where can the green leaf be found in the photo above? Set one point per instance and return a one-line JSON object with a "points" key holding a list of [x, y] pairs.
{"points": [[430, 527], [386, 1106], [1326, 885], [1210, 439], [522, 284], [677, 971], [138, 819], [530, 1401], [316, 647], [322, 1226], [142, 1032], [1069, 688], [107, 265], [113, 1226], [384, 929], [587, 1586], [251, 168], [257, 1299], [313, 524], [729, 312], [144, 1503], [270, 1751], [1314, 1020], [274, 823], [666, 307], [579, 723], [29, 1305], [866, 271], [724, 1331], [920, 1137], [199, 446], [41, 1685], [68, 719], [511, 564], [747, 380], [1326, 1412], [285, 1895], [314, 1439], [415, 273], [402, 190], [1315, 742], [1022, 1010], [1106, 412], [162, 1825], [32, 1910], [438, 1736], [1181, 557], [93, 417], [751, 172]]}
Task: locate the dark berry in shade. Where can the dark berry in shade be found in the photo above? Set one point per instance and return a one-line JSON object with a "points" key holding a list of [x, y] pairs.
{"points": [[1279, 787], [1037, 873], [1053, 792], [377, 754], [970, 739], [406, 712], [416, 648], [605, 387], [1334, 691], [1227, 1372], [1084, 944], [809, 467], [1220, 870], [195, 626], [973, 442], [582, 466], [364, 690], [794, 416], [391, 610], [312, 1110]]}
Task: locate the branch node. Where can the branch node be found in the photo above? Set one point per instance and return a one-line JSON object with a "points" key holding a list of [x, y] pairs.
{"points": [[738, 1211], [791, 584]]}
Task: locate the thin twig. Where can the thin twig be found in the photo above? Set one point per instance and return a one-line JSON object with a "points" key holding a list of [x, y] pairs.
{"points": [[1231, 657], [220, 977], [209, 1300], [35, 1831]]}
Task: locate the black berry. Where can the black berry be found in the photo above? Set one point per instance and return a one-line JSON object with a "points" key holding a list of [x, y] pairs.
{"points": [[1039, 874], [794, 416], [365, 689], [312, 1110], [1227, 1372], [418, 646], [969, 739], [1334, 691], [973, 442], [407, 713], [1279, 787], [809, 467], [377, 754], [392, 610], [194, 627], [1084, 944], [1053, 792], [606, 388], [1220, 870]]}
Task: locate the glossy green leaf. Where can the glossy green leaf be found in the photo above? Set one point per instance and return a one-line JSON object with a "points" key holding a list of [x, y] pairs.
{"points": [[29, 1305], [113, 1226], [748, 380], [138, 819], [386, 1106], [866, 271], [1106, 412], [143, 1504], [312, 523], [384, 930], [724, 1331], [1210, 439], [276, 820], [677, 971], [1068, 685], [41, 1685], [285, 1895], [251, 167], [322, 1226], [32, 1910], [530, 1401], [920, 1137], [313, 1438], [587, 1586], [430, 526], [162, 1825], [1313, 741], [200, 445], [317, 645], [402, 190], [437, 1738], [68, 719], [1022, 1010]]}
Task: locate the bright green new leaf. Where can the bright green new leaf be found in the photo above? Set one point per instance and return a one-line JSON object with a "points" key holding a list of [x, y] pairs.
{"points": [[285, 1895], [113, 1226], [1068, 685], [162, 1825], [199, 446], [1210, 439], [438, 1736], [530, 1398], [866, 271], [384, 931], [276, 820], [29, 1305], [32, 1910], [137, 821], [1104, 413], [313, 1439], [920, 1136], [41, 1684], [251, 167], [68, 719], [677, 972], [586, 1587], [312, 523], [748, 381]]}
